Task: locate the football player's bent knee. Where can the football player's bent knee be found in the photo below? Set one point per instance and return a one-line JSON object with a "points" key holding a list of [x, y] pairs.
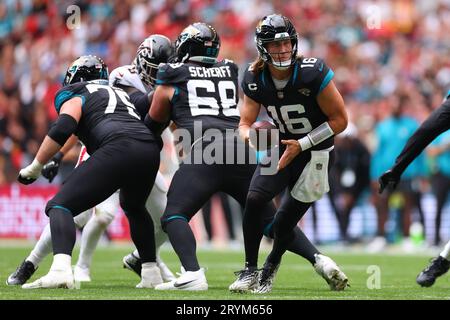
{"points": [[104, 217], [256, 198], [165, 219], [83, 218], [55, 205]]}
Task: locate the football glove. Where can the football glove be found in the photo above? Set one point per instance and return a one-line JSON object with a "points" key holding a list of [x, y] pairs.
{"points": [[29, 174], [388, 179], [50, 170]]}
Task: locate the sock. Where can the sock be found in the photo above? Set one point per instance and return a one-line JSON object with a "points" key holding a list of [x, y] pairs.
{"points": [[302, 246], [63, 231], [61, 262], [42, 248], [148, 265], [136, 254], [92, 232], [142, 233], [183, 242], [256, 208], [446, 252]]}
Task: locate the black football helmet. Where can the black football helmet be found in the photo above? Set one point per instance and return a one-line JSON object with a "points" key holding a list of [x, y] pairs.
{"points": [[275, 27], [86, 68], [198, 42], [154, 50]]}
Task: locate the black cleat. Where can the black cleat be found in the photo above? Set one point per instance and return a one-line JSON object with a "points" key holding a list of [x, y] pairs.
{"points": [[266, 277], [437, 267], [22, 274], [133, 263]]}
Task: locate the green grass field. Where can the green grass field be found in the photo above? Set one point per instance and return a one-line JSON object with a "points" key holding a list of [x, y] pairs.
{"points": [[296, 279]]}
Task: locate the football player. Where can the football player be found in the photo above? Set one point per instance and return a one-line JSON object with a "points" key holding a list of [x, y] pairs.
{"points": [[106, 122], [437, 123], [138, 81], [301, 98], [200, 95]]}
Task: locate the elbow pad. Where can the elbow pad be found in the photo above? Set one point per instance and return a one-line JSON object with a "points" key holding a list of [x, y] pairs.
{"points": [[156, 127], [63, 128]]}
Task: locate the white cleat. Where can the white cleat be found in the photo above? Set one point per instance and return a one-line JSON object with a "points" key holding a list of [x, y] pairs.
{"points": [[329, 270], [150, 278], [247, 280], [81, 274], [188, 280], [53, 279], [166, 274]]}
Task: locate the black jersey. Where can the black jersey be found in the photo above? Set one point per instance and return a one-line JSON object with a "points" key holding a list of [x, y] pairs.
{"points": [[140, 101], [294, 108], [208, 94], [107, 113]]}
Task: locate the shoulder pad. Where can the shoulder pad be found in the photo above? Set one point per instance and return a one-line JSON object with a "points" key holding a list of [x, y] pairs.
{"points": [[314, 73], [126, 76], [250, 84], [171, 73], [68, 92]]}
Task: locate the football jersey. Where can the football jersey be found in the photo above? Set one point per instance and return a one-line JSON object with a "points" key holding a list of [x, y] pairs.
{"points": [[208, 94], [127, 76], [294, 109], [107, 114]]}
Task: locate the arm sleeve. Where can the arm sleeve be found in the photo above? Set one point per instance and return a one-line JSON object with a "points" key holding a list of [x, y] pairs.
{"points": [[437, 123]]}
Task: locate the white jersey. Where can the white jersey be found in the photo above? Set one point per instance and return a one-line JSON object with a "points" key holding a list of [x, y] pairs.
{"points": [[127, 76]]}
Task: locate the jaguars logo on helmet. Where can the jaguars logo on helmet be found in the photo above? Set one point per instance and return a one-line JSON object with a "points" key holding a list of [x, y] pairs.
{"points": [[198, 42], [86, 68]]}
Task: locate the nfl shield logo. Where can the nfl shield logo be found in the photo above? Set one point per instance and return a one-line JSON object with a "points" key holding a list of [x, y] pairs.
{"points": [[318, 166]]}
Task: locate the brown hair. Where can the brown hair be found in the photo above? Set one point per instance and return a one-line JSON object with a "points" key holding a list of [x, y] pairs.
{"points": [[258, 64]]}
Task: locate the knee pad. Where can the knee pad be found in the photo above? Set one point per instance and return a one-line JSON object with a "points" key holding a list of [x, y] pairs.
{"points": [[103, 217]]}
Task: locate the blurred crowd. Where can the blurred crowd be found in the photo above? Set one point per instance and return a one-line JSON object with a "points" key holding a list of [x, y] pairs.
{"points": [[391, 58]]}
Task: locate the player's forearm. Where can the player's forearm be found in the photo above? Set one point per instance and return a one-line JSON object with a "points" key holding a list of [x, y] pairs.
{"points": [[437, 123], [47, 150], [69, 144]]}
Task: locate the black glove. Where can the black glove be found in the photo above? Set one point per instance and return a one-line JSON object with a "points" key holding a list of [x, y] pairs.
{"points": [[388, 179], [50, 170]]}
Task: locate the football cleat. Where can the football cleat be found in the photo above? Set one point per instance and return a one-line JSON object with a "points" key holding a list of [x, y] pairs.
{"points": [[53, 279], [22, 274], [81, 274], [266, 277], [188, 280], [329, 270], [133, 263], [150, 278], [166, 274], [437, 267], [246, 281]]}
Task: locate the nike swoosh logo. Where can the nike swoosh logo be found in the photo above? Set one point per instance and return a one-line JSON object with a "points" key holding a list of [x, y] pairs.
{"points": [[177, 284]]}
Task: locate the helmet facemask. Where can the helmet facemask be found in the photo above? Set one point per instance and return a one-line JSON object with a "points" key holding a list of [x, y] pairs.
{"points": [[276, 28]]}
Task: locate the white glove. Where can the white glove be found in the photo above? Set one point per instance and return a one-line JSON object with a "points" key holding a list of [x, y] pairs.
{"points": [[31, 173]]}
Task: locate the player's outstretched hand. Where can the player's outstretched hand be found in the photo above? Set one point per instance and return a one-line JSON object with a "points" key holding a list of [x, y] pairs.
{"points": [[50, 170], [388, 179], [30, 173], [292, 150]]}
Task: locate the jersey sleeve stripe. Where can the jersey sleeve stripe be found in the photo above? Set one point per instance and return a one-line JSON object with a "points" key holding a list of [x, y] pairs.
{"points": [[65, 96], [295, 74], [326, 80], [61, 98], [448, 94]]}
